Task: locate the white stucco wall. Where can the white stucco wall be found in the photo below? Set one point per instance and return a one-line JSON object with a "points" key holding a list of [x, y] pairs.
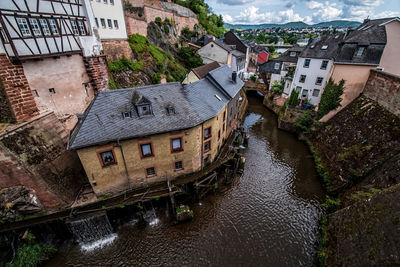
{"points": [[312, 72], [108, 11], [212, 52]]}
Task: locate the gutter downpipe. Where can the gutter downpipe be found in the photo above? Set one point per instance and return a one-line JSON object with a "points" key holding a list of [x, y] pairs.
{"points": [[126, 168]]}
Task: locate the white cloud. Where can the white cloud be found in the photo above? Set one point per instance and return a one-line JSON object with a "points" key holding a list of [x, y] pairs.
{"points": [[252, 15], [325, 11], [235, 2], [227, 18], [386, 14], [369, 3]]}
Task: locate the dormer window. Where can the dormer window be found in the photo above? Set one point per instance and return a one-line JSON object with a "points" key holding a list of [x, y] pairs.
{"points": [[170, 110], [324, 47], [293, 54], [127, 114], [359, 52]]}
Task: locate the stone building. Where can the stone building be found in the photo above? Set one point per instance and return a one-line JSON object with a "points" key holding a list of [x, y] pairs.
{"points": [[50, 58], [200, 72], [136, 136]]}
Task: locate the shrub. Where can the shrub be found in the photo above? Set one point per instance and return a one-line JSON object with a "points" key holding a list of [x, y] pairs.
{"points": [[123, 64], [253, 78], [156, 78], [158, 21], [167, 22], [166, 29], [189, 57], [294, 98], [111, 83], [305, 122], [138, 43], [330, 98], [176, 70], [277, 87], [331, 204]]}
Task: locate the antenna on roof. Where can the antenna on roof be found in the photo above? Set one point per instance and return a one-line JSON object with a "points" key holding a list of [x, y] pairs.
{"points": [[366, 20]]}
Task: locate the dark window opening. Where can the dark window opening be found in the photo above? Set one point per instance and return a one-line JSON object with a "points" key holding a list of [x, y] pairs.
{"points": [[127, 114], [307, 63], [324, 65], [207, 146], [178, 165], [302, 78], [150, 171], [103, 23], [109, 22], [52, 91], [319, 80]]}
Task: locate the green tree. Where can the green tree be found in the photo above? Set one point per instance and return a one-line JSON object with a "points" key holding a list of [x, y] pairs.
{"points": [[294, 98], [189, 57], [305, 122], [271, 49], [277, 87], [330, 98]]}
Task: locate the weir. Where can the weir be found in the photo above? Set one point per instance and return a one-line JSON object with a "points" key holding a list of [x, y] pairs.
{"points": [[92, 232]]}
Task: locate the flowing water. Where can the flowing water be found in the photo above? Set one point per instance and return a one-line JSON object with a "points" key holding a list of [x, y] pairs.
{"points": [[269, 217]]}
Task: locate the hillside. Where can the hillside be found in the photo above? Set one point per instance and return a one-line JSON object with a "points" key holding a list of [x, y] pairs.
{"points": [[296, 25]]}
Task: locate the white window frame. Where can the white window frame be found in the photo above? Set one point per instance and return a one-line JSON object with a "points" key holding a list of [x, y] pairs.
{"points": [[82, 27], [74, 27], [23, 27], [103, 23], [109, 23], [116, 24], [313, 93], [276, 66], [53, 26], [35, 27], [45, 27]]}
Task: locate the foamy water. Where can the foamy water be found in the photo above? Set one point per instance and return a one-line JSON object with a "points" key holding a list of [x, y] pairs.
{"points": [[106, 241]]}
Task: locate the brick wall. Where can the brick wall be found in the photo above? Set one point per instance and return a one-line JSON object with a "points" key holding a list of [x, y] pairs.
{"points": [[384, 88], [34, 155], [17, 89], [97, 70], [116, 49]]}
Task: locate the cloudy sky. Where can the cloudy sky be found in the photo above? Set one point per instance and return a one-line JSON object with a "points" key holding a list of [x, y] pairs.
{"points": [[309, 11]]}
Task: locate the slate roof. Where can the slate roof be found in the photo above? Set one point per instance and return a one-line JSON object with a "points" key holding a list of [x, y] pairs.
{"points": [[314, 47], [372, 36], [195, 103], [202, 71], [222, 45], [285, 57], [223, 77], [269, 67], [238, 54]]}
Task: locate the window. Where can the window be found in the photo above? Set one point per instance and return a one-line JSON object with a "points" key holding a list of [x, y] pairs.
{"points": [[276, 66], [307, 63], [146, 150], [144, 110], [207, 133], [109, 22], [302, 78], [176, 144], [112, 2], [230, 113], [116, 24], [107, 158], [170, 110], [324, 65], [219, 134], [23, 27], [298, 89], [179, 165], [74, 27], [315, 93], [127, 114], [360, 52], [82, 27], [304, 94], [105, 1], [207, 146], [52, 91], [45, 27], [35, 27], [324, 47], [293, 54], [224, 115], [151, 172], [103, 23], [97, 22], [53, 26], [319, 80]]}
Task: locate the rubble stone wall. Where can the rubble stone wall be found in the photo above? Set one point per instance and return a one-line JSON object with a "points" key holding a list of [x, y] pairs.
{"points": [[384, 88], [116, 49]]}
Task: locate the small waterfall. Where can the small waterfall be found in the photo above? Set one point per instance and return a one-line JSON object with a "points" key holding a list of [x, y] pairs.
{"points": [[150, 216], [92, 232]]}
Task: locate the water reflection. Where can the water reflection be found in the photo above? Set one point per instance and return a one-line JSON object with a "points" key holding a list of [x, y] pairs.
{"points": [[267, 218]]}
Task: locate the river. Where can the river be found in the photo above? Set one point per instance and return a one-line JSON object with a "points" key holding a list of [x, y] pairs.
{"points": [[268, 217]]}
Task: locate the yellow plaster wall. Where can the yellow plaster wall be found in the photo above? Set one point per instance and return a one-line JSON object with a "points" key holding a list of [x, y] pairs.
{"points": [[190, 78], [114, 179]]}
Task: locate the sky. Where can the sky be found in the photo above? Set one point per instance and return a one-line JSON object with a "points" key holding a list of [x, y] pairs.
{"points": [[308, 11]]}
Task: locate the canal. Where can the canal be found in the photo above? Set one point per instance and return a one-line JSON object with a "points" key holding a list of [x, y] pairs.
{"points": [[269, 217]]}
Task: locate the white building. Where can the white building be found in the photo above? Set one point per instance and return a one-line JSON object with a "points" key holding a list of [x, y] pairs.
{"points": [[314, 67], [109, 18]]}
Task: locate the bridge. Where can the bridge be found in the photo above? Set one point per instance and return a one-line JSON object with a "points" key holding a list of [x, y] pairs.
{"points": [[253, 86]]}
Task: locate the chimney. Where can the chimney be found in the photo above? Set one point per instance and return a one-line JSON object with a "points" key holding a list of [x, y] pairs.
{"points": [[234, 76]]}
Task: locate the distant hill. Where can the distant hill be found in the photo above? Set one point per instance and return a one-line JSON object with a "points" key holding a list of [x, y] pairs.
{"points": [[296, 25]]}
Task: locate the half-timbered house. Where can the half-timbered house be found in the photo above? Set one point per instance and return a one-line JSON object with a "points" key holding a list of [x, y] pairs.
{"points": [[49, 54]]}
